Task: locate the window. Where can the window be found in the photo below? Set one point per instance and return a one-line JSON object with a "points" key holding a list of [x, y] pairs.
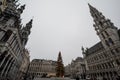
{"points": [[96, 16], [103, 66], [6, 36], [105, 55], [112, 52], [101, 23], [117, 50], [106, 33], [12, 40], [106, 65], [103, 35], [1, 34], [117, 61], [2, 56], [110, 66], [111, 41]]}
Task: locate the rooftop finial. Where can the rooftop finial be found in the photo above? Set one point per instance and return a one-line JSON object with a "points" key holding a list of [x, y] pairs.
{"points": [[90, 6]]}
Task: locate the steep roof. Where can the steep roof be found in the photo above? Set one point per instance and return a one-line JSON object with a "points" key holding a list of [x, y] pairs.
{"points": [[94, 48]]}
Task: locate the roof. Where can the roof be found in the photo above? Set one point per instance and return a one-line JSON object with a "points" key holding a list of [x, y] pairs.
{"points": [[42, 60], [94, 48], [79, 59]]}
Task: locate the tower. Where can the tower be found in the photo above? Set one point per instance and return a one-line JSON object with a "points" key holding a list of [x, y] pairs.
{"points": [[13, 38], [106, 30], [109, 36], [26, 32]]}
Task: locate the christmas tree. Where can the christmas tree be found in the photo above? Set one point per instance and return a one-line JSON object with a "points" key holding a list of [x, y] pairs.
{"points": [[59, 66]]}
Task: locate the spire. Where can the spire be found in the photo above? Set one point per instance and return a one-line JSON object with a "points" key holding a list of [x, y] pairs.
{"points": [[100, 21], [29, 24], [91, 7], [94, 12], [28, 27], [26, 32]]}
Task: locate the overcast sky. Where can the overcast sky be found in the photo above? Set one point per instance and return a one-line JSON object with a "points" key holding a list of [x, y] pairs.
{"points": [[64, 25]]}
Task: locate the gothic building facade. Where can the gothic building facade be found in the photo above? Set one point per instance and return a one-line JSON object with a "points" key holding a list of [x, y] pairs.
{"points": [[2, 5], [103, 59], [76, 68], [14, 57]]}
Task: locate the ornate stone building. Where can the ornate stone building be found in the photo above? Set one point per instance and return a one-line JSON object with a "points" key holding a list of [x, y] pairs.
{"points": [[68, 70], [76, 68], [103, 59], [42, 68], [25, 65], [14, 58]]}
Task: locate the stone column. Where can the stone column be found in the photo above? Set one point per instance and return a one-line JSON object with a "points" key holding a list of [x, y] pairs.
{"points": [[110, 77], [5, 66], [106, 75], [11, 37], [1, 34], [10, 68], [3, 60], [10, 63]]}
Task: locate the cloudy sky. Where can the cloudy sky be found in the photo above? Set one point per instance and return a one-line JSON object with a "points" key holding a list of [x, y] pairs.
{"points": [[64, 25]]}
